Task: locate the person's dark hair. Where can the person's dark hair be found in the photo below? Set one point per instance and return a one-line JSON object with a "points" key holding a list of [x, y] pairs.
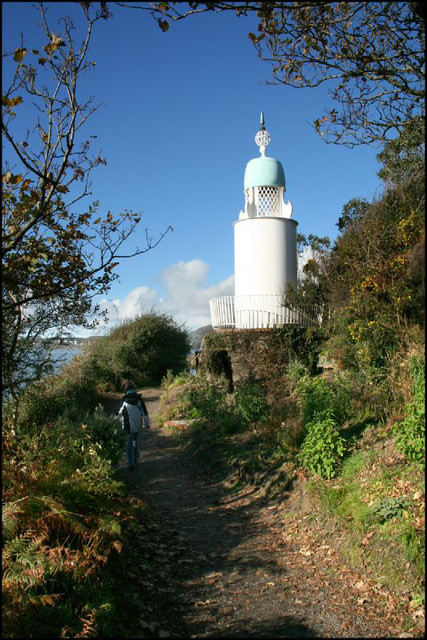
{"points": [[129, 385]]}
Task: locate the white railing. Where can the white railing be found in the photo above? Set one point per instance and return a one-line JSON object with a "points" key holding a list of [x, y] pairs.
{"points": [[258, 312], [222, 312]]}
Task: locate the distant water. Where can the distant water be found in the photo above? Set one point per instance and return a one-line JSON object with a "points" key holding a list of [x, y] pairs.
{"points": [[64, 355]]}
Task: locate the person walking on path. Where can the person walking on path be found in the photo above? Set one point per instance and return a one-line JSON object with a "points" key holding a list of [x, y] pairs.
{"points": [[134, 417]]}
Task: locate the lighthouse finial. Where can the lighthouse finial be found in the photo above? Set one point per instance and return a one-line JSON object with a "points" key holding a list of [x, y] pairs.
{"points": [[262, 137]]}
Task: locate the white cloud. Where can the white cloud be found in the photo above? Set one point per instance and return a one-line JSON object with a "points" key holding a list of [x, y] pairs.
{"points": [[139, 300], [303, 257], [185, 296]]}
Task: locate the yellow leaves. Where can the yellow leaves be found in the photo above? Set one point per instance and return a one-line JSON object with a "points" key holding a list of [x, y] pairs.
{"points": [[19, 55], [10, 102], [55, 42], [403, 300], [111, 266], [26, 184], [49, 50], [318, 123], [11, 178], [398, 264]]}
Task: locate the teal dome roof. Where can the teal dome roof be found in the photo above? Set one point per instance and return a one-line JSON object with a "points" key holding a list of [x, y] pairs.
{"points": [[264, 172]]}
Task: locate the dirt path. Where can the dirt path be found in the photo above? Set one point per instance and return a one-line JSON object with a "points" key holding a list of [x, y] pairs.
{"points": [[251, 568]]}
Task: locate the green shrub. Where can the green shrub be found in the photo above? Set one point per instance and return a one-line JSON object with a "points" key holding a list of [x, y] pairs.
{"points": [[410, 433], [176, 380], [284, 427], [323, 397], [143, 349], [106, 432], [296, 371], [323, 448], [302, 343], [211, 401], [291, 436], [67, 391], [251, 404], [205, 399], [355, 463]]}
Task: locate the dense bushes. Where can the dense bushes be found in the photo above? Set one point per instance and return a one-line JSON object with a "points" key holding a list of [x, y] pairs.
{"points": [[143, 349], [67, 391], [376, 271], [320, 397], [325, 407], [410, 433], [58, 527], [302, 343], [201, 399], [251, 402]]}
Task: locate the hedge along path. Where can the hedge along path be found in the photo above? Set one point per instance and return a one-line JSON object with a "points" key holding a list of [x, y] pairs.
{"points": [[248, 566]]}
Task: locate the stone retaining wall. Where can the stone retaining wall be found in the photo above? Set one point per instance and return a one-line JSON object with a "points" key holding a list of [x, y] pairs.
{"points": [[264, 354]]}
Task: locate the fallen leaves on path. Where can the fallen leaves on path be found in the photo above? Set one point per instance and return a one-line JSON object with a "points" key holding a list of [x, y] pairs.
{"points": [[219, 563]]}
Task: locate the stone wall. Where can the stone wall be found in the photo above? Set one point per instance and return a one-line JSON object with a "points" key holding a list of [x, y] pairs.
{"points": [[262, 353]]}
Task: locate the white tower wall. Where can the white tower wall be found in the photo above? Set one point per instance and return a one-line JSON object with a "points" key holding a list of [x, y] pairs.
{"points": [[265, 257]]}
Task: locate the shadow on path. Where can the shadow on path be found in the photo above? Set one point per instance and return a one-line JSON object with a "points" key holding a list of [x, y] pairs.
{"points": [[224, 579], [238, 570]]}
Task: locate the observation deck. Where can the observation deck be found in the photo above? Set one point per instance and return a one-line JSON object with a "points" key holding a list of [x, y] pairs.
{"points": [[259, 312]]}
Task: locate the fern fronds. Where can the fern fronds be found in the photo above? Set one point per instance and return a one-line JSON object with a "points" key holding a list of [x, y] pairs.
{"points": [[10, 517], [89, 629]]}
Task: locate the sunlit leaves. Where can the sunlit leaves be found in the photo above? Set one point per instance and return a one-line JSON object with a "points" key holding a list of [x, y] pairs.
{"points": [[54, 43], [19, 55], [163, 24], [11, 102], [11, 178]]}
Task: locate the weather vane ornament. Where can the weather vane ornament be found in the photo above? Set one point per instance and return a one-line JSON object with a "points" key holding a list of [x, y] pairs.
{"points": [[262, 137]]}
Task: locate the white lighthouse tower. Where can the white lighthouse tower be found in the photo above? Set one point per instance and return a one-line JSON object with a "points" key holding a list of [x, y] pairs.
{"points": [[265, 250]]}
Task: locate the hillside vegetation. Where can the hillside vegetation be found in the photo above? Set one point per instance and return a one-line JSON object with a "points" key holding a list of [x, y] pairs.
{"points": [[66, 518]]}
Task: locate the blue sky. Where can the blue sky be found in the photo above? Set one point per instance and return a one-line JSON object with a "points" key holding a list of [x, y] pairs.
{"points": [[177, 123]]}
